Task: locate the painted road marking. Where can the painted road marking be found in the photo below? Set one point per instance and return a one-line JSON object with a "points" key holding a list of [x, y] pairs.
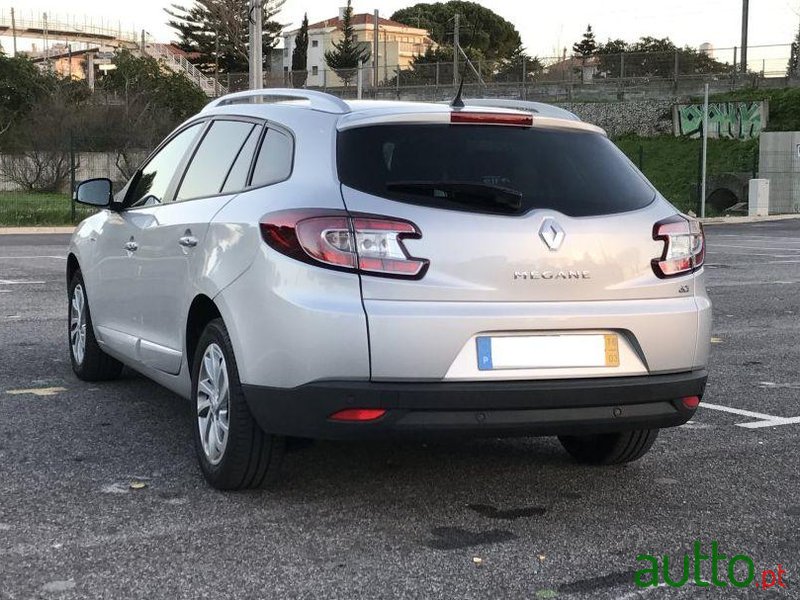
{"points": [[752, 247], [764, 420], [48, 391], [30, 257], [11, 282]]}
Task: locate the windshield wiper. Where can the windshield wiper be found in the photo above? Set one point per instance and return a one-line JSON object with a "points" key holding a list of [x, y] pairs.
{"points": [[462, 192]]}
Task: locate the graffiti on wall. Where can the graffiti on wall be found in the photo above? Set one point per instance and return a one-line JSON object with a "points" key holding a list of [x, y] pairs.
{"points": [[735, 120]]}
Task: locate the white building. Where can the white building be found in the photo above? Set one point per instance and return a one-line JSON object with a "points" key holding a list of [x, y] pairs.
{"points": [[398, 44]]}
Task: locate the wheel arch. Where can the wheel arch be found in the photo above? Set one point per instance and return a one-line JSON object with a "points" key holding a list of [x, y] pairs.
{"points": [[72, 266], [202, 311]]}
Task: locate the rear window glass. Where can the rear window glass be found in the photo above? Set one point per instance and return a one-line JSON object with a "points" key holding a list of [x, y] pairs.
{"points": [[576, 173]]}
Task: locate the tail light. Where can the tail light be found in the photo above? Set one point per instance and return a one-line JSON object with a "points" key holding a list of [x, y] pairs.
{"points": [[367, 244], [684, 246], [489, 118]]}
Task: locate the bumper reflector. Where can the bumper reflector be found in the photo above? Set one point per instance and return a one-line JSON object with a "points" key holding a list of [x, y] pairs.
{"points": [[358, 414], [691, 402]]}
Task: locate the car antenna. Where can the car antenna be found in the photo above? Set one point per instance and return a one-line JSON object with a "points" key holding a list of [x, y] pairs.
{"points": [[458, 101]]}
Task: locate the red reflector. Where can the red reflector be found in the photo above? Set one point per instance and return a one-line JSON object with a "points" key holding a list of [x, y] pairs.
{"points": [[358, 414], [487, 118], [691, 402]]}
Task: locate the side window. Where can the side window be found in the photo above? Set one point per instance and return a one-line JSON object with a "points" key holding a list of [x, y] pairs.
{"points": [[156, 175], [237, 178], [274, 163], [213, 159]]}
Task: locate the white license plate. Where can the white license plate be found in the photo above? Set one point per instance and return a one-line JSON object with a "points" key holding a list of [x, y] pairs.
{"points": [[548, 351]]}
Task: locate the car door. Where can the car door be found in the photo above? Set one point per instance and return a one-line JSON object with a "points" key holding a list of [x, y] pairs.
{"points": [[117, 295], [171, 236]]}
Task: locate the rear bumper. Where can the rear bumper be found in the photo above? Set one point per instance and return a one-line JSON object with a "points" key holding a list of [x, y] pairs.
{"points": [[500, 408]]}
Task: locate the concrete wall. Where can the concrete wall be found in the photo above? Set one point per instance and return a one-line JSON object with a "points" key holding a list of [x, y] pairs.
{"points": [[779, 161]]}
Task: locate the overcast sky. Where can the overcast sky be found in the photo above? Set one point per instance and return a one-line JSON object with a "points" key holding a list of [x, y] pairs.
{"points": [[546, 26]]}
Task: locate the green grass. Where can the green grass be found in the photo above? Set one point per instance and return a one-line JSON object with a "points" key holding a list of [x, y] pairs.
{"points": [[19, 209], [672, 164]]}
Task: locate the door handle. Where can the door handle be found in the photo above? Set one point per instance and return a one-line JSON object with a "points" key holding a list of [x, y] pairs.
{"points": [[188, 241], [131, 246]]}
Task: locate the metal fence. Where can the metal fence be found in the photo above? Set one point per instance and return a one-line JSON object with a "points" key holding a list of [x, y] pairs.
{"points": [[668, 71], [36, 185]]}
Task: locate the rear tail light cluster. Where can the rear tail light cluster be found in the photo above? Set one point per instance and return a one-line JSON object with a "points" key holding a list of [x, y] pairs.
{"points": [[684, 246], [367, 244]]}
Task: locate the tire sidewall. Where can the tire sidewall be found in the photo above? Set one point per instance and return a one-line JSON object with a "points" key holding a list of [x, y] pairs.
{"points": [[77, 279]]}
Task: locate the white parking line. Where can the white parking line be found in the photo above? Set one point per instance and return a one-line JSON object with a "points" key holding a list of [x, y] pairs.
{"points": [[11, 282], [754, 247], [764, 420], [30, 257]]}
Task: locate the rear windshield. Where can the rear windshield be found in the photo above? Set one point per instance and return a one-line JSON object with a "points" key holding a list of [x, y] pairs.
{"points": [[576, 173]]}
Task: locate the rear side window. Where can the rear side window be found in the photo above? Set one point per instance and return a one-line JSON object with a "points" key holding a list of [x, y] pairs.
{"points": [[274, 162], [574, 172], [213, 159], [237, 178]]}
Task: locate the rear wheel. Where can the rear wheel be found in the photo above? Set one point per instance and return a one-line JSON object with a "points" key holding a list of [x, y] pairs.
{"points": [[233, 451], [609, 448], [89, 362]]}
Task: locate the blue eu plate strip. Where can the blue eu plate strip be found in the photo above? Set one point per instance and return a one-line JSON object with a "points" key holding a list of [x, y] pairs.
{"points": [[484, 353]]}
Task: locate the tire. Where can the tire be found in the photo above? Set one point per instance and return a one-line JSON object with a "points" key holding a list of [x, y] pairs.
{"points": [[609, 448], [244, 457], [89, 362]]}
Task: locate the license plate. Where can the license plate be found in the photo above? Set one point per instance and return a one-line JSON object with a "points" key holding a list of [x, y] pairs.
{"points": [[548, 351]]}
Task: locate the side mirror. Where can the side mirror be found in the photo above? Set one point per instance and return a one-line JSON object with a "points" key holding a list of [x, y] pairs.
{"points": [[94, 192]]}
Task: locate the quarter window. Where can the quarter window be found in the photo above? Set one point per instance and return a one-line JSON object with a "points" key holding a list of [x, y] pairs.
{"points": [[214, 159], [274, 162]]}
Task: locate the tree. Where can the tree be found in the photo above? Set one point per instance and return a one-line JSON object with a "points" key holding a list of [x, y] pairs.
{"points": [[209, 24], [654, 57], [587, 46], [793, 68], [300, 55], [511, 69], [21, 85], [483, 34], [347, 54]]}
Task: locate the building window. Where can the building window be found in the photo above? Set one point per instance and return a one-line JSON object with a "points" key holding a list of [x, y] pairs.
{"points": [[315, 70], [314, 43]]}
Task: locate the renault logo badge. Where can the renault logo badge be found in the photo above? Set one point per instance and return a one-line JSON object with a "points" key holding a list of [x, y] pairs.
{"points": [[552, 234]]}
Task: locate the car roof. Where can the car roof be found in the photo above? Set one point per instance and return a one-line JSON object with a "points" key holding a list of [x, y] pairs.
{"points": [[363, 112]]}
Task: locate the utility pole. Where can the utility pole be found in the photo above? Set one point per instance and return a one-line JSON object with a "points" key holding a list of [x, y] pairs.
{"points": [[456, 47], [256, 43], [745, 24], [376, 48], [14, 30]]}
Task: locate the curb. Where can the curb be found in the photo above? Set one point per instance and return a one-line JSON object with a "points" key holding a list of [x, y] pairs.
{"points": [[743, 220], [34, 230]]}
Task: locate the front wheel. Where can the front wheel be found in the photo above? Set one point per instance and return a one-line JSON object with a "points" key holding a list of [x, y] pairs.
{"points": [[234, 453], [89, 362], [609, 448]]}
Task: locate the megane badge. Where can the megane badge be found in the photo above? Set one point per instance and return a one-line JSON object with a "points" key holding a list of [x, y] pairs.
{"points": [[552, 234]]}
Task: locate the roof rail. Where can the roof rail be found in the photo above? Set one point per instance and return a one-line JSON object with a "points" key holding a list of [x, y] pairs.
{"points": [[319, 100]]}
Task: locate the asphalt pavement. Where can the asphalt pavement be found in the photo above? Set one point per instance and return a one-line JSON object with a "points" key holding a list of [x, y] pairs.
{"points": [[480, 519]]}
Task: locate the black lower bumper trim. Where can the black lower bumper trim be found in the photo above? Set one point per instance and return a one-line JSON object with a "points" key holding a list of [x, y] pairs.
{"points": [[497, 408]]}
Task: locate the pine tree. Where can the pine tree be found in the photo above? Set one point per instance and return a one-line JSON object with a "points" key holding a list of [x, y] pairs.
{"points": [[227, 22], [793, 69], [347, 55], [300, 55], [587, 46]]}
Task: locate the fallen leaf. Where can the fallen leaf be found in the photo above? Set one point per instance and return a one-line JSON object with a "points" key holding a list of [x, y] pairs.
{"points": [[546, 594], [716, 340], [477, 560], [541, 557], [138, 485]]}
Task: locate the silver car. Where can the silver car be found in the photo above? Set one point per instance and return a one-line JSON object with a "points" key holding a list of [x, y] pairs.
{"points": [[299, 266]]}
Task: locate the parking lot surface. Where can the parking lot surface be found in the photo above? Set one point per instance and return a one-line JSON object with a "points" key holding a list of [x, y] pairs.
{"points": [[480, 519]]}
